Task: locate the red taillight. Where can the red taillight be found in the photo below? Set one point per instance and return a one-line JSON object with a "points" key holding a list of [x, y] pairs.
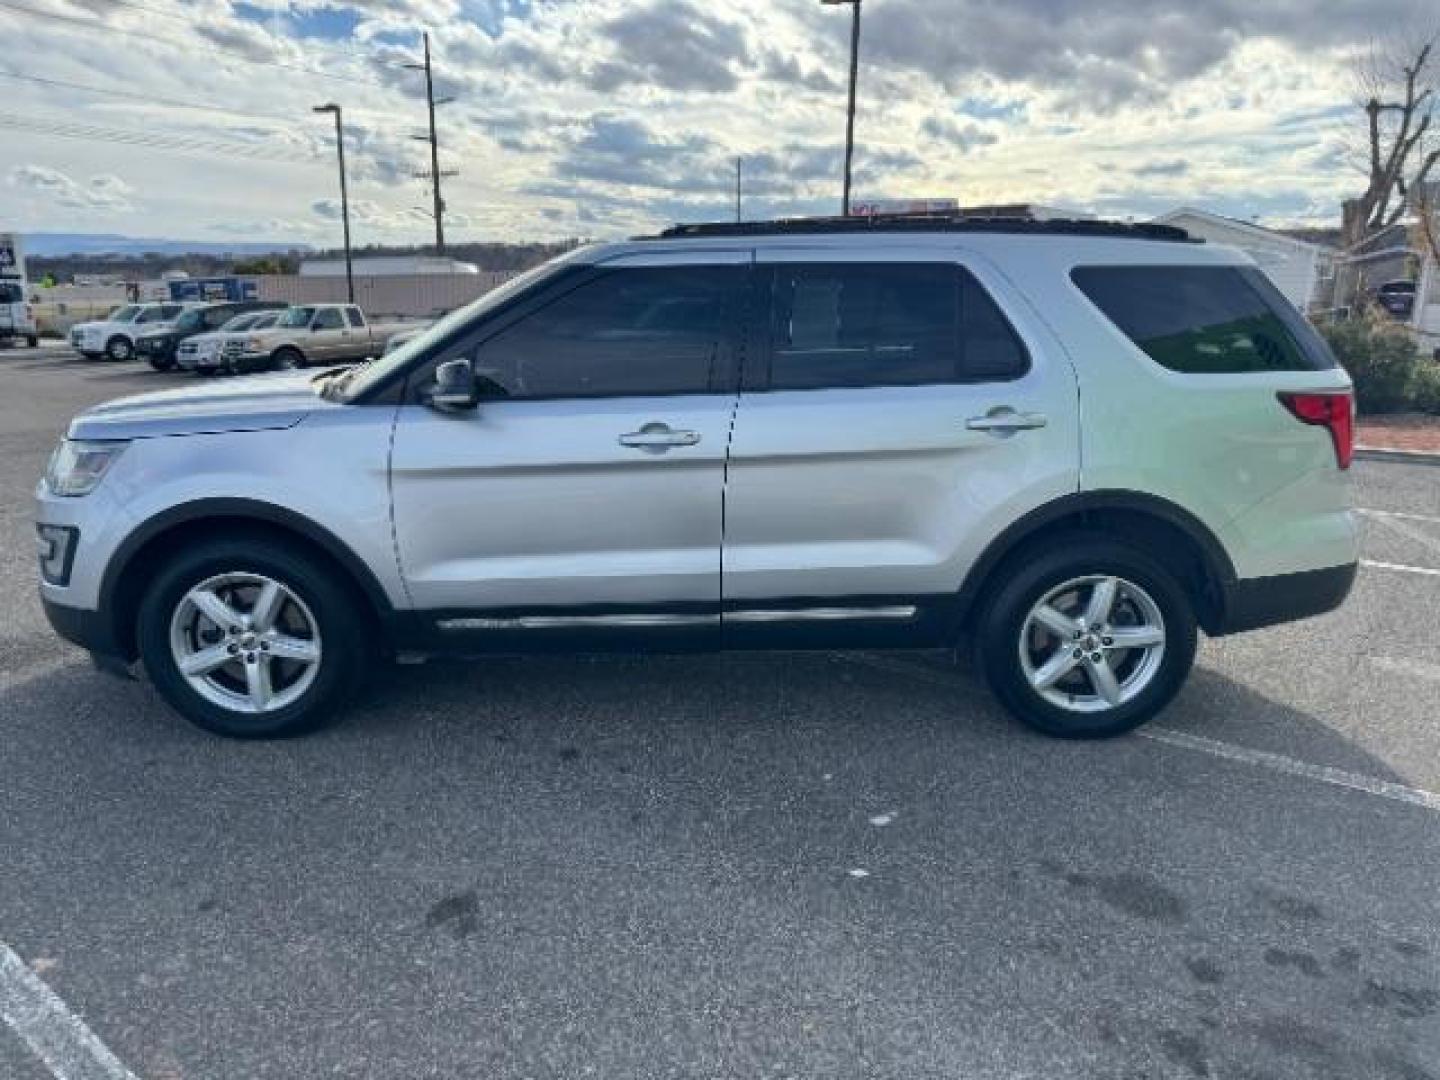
{"points": [[1333, 411]]}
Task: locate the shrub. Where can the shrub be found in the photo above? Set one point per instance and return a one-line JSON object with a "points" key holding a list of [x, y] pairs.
{"points": [[1426, 388], [1382, 359]]}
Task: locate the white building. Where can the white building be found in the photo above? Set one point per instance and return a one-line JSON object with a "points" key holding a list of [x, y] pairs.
{"points": [[1299, 269], [387, 266]]}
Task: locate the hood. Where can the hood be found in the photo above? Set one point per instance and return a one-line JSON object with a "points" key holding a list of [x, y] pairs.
{"points": [[158, 329], [101, 324], [254, 403]]}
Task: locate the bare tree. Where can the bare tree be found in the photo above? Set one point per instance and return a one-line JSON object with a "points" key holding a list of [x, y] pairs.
{"points": [[1398, 93]]}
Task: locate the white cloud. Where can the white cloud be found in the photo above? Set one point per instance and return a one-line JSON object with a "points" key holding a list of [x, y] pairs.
{"points": [[607, 116], [104, 191]]}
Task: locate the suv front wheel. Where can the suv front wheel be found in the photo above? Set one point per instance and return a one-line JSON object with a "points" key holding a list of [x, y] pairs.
{"points": [[250, 639], [1087, 638]]}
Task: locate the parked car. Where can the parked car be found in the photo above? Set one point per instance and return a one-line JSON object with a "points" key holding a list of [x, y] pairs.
{"points": [[1397, 298], [113, 337], [1069, 444], [160, 346], [216, 351], [396, 340], [315, 334]]}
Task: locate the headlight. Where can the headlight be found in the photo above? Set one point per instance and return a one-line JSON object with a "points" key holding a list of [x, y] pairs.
{"points": [[77, 467]]}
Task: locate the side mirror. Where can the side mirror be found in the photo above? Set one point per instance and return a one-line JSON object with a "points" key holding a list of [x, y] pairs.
{"points": [[455, 388]]}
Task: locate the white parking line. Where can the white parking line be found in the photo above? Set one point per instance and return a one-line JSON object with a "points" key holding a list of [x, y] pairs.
{"points": [[1374, 564], [1397, 514], [1305, 770], [57, 1036], [1293, 767], [1417, 669]]}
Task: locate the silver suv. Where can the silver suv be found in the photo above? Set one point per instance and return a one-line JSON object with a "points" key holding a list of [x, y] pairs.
{"points": [[1068, 444]]}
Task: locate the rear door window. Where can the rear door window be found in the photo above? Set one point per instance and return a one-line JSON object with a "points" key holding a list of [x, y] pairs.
{"points": [[1205, 320], [895, 324], [328, 319]]}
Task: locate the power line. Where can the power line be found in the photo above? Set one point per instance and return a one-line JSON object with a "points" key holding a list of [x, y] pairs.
{"points": [[230, 148], [339, 50], [148, 99], [188, 46]]}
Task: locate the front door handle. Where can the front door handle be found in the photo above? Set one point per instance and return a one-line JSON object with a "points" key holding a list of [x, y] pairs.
{"points": [[1006, 421], [657, 438]]}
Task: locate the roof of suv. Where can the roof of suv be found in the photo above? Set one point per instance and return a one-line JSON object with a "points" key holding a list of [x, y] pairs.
{"points": [[928, 223], [1014, 241]]}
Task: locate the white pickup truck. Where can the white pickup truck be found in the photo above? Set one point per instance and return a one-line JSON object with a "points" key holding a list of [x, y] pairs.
{"points": [[113, 337], [315, 334]]}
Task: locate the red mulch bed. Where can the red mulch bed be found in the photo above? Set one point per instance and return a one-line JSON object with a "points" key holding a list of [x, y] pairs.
{"points": [[1417, 432]]}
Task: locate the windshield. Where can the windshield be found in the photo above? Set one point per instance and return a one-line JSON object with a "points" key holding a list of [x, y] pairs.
{"points": [[11, 294], [191, 320], [239, 322], [296, 316], [125, 314], [358, 381]]}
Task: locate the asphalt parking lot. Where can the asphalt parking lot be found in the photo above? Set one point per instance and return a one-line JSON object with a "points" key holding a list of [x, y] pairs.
{"points": [[751, 866]]}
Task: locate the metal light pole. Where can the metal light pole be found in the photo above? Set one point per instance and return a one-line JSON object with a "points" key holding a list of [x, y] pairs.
{"points": [[739, 212], [344, 196], [854, 78]]}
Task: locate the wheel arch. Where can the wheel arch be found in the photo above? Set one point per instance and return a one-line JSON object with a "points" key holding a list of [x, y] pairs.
{"points": [[1165, 530], [121, 585]]}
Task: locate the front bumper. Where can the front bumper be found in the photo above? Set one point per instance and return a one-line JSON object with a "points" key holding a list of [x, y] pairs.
{"points": [[1251, 603], [91, 630], [161, 348]]}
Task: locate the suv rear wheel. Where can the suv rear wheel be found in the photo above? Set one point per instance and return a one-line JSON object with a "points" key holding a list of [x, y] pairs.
{"points": [[1088, 638], [249, 639]]}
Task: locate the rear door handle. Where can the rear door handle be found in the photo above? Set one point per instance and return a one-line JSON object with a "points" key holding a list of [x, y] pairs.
{"points": [[1006, 421], [657, 438]]}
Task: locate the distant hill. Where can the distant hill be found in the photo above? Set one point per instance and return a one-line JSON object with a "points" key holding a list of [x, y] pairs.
{"points": [[54, 244]]}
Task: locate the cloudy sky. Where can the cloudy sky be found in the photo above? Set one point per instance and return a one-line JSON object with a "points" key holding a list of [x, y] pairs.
{"points": [[603, 117]]}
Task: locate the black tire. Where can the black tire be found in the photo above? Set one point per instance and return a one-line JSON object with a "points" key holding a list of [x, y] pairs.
{"points": [[347, 647], [162, 363], [119, 348], [287, 359], [1026, 580]]}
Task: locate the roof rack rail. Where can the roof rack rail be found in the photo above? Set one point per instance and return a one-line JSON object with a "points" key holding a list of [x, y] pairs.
{"points": [[929, 223]]}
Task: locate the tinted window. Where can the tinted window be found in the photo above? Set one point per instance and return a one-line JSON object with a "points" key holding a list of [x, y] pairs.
{"points": [[902, 324], [11, 294], [353, 314], [1206, 319], [628, 333], [217, 317], [327, 319]]}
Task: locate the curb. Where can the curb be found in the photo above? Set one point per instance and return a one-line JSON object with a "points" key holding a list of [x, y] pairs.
{"points": [[1408, 457]]}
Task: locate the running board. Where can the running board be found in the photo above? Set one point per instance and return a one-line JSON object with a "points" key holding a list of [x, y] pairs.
{"points": [[660, 620]]}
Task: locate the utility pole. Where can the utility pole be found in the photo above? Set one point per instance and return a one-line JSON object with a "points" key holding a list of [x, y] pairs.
{"points": [[739, 164], [434, 175], [344, 196], [854, 79]]}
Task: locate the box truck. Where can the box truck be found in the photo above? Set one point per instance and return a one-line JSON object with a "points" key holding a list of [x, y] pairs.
{"points": [[17, 317]]}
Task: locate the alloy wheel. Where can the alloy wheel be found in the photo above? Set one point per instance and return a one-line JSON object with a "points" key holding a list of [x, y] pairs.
{"points": [[1092, 643], [245, 642]]}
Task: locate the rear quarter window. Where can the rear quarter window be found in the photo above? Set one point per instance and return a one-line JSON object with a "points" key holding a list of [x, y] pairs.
{"points": [[1205, 320]]}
